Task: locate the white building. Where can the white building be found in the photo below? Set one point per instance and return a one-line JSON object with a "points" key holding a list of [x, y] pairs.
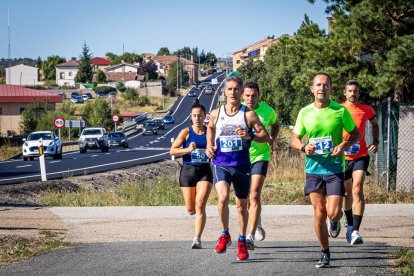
{"points": [[123, 68], [66, 72], [22, 75]]}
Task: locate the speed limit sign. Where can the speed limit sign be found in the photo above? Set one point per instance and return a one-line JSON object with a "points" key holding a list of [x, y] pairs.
{"points": [[115, 118], [59, 122]]}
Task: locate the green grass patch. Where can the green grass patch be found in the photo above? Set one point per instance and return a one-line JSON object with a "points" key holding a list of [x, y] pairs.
{"points": [[14, 248], [404, 263]]}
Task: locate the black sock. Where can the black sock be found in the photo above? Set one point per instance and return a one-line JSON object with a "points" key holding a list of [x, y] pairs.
{"points": [[326, 251], [349, 217], [357, 222]]}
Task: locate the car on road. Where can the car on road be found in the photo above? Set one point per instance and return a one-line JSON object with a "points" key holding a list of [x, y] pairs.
{"points": [[77, 99], [93, 138], [52, 146], [149, 127], [209, 90], [160, 122], [192, 93], [168, 119], [85, 97], [89, 95], [100, 94], [118, 138]]}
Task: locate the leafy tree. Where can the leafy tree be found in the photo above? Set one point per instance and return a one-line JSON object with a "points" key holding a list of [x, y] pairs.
{"points": [[100, 76], [39, 62], [120, 86], [97, 113], [48, 66], [172, 76], [252, 71], [163, 51], [85, 72], [111, 56], [126, 57], [2, 72], [30, 117], [149, 69]]}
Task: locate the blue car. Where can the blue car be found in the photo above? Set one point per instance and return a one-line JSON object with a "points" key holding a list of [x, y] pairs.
{"points": [[77, 99], [168, 119]]}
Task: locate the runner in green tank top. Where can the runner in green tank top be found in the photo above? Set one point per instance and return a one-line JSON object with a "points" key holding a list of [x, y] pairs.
{"points": [[323, 123], [259, 158]]}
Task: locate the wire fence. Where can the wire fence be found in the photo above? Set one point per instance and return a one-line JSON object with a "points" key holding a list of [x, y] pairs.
{"points": [[394, 160]]}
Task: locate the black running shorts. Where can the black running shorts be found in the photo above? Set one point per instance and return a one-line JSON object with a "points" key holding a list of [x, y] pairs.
{"points": [[260, 168], [332, 184], [191, 174], [359, 164]]}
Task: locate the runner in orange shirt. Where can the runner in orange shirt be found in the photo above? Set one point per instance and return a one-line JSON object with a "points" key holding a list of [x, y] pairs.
{"points": [[357, 161]]}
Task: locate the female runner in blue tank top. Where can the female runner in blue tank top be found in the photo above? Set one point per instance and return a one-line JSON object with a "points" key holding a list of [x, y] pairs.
{"points": [[196, 176]]}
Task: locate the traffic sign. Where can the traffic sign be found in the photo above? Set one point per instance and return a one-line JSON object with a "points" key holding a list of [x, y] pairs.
{"points": [[59, 122], [115, 118], [214, 81]]}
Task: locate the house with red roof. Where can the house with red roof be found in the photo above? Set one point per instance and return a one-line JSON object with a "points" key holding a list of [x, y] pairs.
{"points": [[66, 72], [100, 63], [14, 99], [164, 62]]}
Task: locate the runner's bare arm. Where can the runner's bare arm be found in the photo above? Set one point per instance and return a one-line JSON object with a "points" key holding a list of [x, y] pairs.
{"points": [[297, 144], [274, 132], [375, 136], [176, 149], [354, 137], [211, 133], [261, 135]]}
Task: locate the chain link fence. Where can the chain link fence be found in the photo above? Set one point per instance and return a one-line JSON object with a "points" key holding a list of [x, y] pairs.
{"points": [[394, 160]]}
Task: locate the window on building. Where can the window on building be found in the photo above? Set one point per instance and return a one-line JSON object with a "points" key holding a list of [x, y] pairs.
{"points": [[238, 61], [21, 110], [61, 75], [70, 74]]}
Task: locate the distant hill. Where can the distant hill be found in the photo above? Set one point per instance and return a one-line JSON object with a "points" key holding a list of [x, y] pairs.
{"points": [[4, 63]]}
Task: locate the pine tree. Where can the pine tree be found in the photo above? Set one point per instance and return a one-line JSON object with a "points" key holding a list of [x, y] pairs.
{"points": [[85, 72]]}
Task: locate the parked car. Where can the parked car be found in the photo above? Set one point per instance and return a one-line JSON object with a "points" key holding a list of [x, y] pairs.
{"points": [[89, 95], [93, 138], [100, 94], [192, 93], [77, 99], [74, 94], [85, 97], [149, 127], [112, 94], [160, 122], [117, 138], [168, 119], [52, 146]]}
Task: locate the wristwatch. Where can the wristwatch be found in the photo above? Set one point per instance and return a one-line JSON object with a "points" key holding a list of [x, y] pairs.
{"points": [[303, 149]]}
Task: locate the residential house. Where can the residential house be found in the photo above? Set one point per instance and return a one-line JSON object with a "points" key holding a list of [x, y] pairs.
{"points": [[13, 101], [66, 72], [255, 51], [123, 68], [100, 63], [22, 74], [163, 63]]}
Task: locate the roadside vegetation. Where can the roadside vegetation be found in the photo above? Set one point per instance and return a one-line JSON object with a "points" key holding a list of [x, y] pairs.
{"points": [[404, 262], [15, 248]]}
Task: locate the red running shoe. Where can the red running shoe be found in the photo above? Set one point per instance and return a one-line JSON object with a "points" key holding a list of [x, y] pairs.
{"points": [[223, 242], [242, 253]]}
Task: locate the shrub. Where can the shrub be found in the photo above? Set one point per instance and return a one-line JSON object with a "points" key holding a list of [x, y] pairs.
{"points": [[120, 86], [105, 89]]}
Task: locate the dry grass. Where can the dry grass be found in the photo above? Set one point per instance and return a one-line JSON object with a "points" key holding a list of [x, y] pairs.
{"points": [[7, 151]]}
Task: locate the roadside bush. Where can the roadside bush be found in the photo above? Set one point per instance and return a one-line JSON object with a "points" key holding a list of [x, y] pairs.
{"points": [[105, 89], [38, 87], [120, 86], [67, 87]]}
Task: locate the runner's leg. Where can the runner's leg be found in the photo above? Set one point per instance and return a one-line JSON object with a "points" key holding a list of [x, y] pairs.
{"points": [[203, 189], [189, 194]]}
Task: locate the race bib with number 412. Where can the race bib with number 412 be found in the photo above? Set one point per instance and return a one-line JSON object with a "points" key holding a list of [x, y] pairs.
{"points": [[230, 143], [199, 156], [323, 145]]}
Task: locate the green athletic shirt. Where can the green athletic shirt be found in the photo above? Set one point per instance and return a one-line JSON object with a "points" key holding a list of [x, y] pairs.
{"points": [[325, 122], [268, 116]]}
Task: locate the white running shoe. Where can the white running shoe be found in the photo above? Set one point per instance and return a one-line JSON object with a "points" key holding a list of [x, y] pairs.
{"points": [[260, 233], [356, 238], [250, 242], [196, 244]]}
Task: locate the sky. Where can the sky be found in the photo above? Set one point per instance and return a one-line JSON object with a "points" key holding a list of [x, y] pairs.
{"points": [[49, 27]]}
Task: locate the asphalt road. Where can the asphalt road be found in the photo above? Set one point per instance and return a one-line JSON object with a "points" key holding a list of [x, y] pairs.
{"points": [[142, 149], [175, 258]]}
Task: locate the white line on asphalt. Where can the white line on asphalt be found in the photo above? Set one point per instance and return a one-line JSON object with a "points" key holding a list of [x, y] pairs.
{"points": [[92, 167], [57, 161], [23, 166], [95, 155]]}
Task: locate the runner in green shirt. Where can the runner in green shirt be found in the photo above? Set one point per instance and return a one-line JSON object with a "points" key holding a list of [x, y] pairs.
{"points": [[323, 123], [259, 158]]}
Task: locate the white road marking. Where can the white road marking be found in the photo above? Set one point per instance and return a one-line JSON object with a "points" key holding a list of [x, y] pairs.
{"points": [[51, 162], [95, 155], [23, 166]]}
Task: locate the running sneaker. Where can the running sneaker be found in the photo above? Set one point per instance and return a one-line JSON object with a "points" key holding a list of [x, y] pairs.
{"points": [[196, 244], [324, 261], [260, 233], [334, 228], [345, 220], [356, 238], [223, 242], [250, 242], [242, 253], [348, 234]]}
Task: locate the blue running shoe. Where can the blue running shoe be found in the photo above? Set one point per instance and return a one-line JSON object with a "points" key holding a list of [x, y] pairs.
{"points": [[349, 234], [324, 261], [356, 238], [334, 228]]}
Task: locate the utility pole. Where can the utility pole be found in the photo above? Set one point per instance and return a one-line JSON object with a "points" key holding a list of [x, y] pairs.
{"points": [[9, 50], [177, 77]]}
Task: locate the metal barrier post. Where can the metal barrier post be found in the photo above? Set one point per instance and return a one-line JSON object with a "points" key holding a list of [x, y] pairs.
{"points": [[42, 160], [388, 142]]}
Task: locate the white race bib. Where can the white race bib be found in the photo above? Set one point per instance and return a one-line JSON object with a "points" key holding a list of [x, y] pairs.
{"points": [[354, 149], [199, 156], [323, 145], [230, 143]]}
